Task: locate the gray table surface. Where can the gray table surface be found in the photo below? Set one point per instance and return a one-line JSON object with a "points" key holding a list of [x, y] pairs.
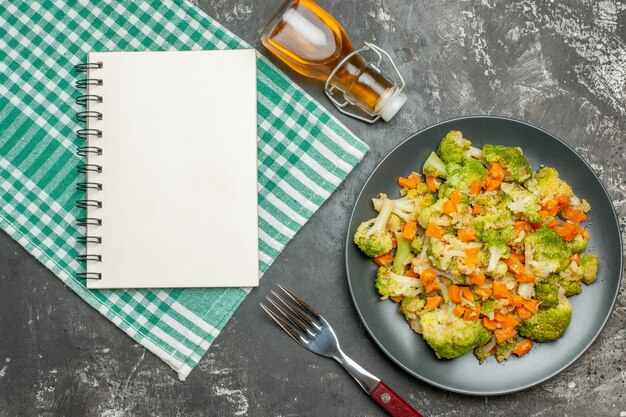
{"points": [[558, 65]]}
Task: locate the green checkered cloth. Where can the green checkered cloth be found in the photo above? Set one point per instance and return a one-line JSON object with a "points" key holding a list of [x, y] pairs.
{"points": [[304, 154]]}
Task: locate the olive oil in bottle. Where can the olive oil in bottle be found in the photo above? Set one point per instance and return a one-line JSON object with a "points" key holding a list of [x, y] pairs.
{"points": [[310, 41]]}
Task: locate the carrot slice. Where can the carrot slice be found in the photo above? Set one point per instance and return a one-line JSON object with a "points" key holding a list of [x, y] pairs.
{"points": [[583, 232], [432, 303], [531, 305], [456, 196], [383, 260], [411, 273], [524, 277], [397, 298], [471, 314], [477, 209], [483, 292], [520, 226], [431, 183], [496, 172], [449, 207], [409, 230], [499, 317], [489, 324], [454, 292], [467, 234], [459, 310], [427, 277], [510, 322], [411, 182], [467, 294], [514, 264], [567, 231], [504, 334], [523, 347], [471, 256], [475, 187], [523, 313], [432, 287], [517, 300], [434, 230], [478, 278], [500, 290], [574, 215], [552, 207]]}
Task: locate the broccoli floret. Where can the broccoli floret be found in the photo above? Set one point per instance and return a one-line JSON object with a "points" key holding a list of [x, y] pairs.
{"points": [[547, 294], [372, 236], [390, 284], [545, 250], [494, 217], [481, 354], [451, 336], [496, 244], [500, 270], [419, 189], [521, 202], [589, 268], [488, 307], [453, 147], [571, 287], [461, 174], [434, 167], [548, 325], [416, 245], [504, 349], [403, 251], [424, 200], [577, 245], [510, 158], [436, 253], [490, 198], [411, 307], [546, 184], [435, 210]]}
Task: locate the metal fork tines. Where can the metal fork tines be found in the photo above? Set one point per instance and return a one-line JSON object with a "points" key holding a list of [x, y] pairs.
{"points": [[307, 327]]}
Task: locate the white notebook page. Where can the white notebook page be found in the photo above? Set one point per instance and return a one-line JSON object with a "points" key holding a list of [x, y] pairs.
{"points": [[179, 169]]}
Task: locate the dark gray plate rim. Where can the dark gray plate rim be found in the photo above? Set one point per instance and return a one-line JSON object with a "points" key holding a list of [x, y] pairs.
{"points": [[381, 343]]}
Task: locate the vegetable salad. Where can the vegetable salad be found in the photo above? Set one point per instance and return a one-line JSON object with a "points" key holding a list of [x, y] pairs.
{"points": [[480, 252]]}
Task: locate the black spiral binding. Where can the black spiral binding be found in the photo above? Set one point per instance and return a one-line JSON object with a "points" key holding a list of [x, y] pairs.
{"points": [[86, 100]]}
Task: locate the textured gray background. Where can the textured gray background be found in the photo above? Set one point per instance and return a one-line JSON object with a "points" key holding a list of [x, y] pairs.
{"points": [[558, 65]]}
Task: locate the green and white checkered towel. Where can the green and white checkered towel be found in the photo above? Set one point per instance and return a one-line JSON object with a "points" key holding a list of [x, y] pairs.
{"points": [[304, 154]]}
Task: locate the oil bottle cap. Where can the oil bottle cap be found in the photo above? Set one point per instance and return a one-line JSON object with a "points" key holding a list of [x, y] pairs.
{"points": [[392, 105]]}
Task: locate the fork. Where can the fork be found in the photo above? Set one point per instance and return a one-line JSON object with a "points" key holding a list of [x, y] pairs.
{"points": [[307, 327]]}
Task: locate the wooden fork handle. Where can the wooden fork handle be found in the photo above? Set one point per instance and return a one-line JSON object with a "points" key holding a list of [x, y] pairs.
{"points": [[392, 402]]}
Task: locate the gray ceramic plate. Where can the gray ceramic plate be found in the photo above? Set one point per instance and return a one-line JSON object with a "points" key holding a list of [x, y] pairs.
{"points": [[591, 309]]}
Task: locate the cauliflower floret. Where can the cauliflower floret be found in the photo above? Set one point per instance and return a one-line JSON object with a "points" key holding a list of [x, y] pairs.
{"points": [[521, 201], [390, 284], [461, 174], [453, 147], [546, 185], [435, 167], [405, 208], [511, 158], [451, 336], [545, 250], [548, 325]]}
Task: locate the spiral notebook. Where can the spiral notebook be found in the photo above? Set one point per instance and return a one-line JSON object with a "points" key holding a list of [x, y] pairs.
{"points": [[171, 169]]}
